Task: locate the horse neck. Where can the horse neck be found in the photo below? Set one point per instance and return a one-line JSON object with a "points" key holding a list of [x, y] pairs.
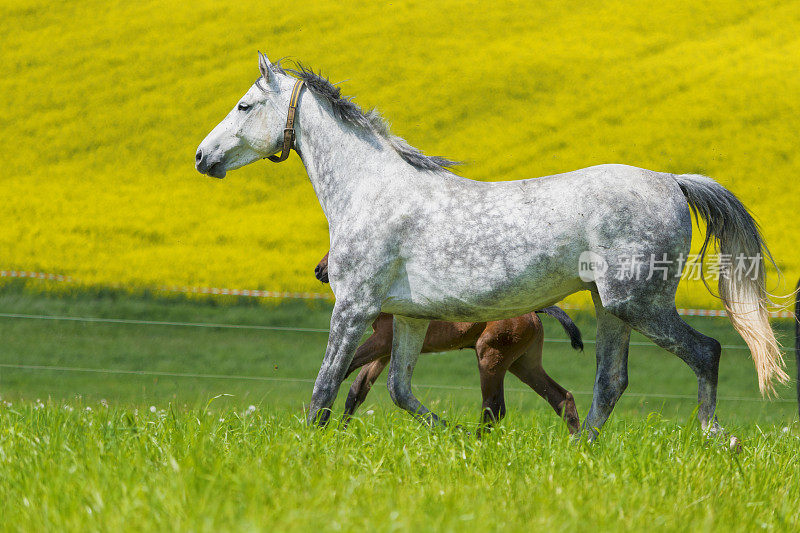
{"points": [[338, 157]]}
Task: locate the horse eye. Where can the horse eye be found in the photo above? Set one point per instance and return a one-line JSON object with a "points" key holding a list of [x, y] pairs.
{"points": [[243, 107]]}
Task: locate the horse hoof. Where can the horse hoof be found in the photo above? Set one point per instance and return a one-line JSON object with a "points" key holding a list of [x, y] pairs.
{"points": [[735, 445]]}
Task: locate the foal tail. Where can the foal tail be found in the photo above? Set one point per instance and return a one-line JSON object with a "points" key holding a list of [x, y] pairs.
{"points": [[575, 337], [744, 294]]}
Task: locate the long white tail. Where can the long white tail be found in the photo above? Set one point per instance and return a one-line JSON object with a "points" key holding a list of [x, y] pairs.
{"points": [[744, 294]]}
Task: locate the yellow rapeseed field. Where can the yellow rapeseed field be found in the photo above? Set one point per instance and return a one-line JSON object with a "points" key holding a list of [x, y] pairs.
{"points": [[104, 103]]}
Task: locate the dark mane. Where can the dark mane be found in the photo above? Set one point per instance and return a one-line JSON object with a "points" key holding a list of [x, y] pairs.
{"points": [[371, 120]]}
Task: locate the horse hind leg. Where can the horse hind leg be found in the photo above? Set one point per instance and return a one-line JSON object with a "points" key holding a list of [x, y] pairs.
{"points": [[611, 377], [653, 314], [701, 353]]}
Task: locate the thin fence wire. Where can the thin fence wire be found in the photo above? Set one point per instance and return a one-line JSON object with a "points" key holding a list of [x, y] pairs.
{"points": [[251, 326], [162, 323], [156, 373]]}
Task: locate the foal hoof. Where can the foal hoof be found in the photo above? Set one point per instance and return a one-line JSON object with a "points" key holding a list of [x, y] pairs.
{"points": [[464, 430]]}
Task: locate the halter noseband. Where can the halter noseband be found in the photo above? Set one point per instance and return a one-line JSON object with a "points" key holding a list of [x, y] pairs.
{"points": [[288, 131]]}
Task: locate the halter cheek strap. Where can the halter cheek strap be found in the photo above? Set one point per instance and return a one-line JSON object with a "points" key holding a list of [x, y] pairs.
{"points": [[288, 131]]}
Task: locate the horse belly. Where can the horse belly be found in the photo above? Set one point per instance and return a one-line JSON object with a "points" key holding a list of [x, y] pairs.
{"points": [[477, 296]]}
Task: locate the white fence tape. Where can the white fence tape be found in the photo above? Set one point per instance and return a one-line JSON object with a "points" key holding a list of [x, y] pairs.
{"points": [[258, 293]]}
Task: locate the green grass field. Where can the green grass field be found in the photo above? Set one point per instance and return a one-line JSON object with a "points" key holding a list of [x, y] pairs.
{"points": [[102, 450]]}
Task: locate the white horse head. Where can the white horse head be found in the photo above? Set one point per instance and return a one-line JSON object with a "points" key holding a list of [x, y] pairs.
{"points": [[253, 129]]}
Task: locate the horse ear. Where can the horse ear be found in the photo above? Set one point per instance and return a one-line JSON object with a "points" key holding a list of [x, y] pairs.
{"points": [[264, 66]]}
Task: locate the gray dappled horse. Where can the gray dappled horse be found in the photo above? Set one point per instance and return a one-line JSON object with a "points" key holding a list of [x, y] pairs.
{"points": [[410, 238]]}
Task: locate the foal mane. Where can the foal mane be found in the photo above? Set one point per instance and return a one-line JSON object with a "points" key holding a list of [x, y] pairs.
{"points": [[372, 121]]}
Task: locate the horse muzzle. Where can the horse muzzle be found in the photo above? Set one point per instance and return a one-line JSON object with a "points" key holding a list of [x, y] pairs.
{"points": [[210, 166]]}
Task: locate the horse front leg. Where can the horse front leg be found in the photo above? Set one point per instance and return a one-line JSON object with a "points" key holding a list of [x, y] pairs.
{"points": [[349, 321], [409, 335]]}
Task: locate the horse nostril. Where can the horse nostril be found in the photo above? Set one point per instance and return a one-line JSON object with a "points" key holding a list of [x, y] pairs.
{"points": [[198, 156]]}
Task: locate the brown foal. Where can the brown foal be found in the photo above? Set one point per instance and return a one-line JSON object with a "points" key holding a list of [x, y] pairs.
{"points": [[514, 344]]}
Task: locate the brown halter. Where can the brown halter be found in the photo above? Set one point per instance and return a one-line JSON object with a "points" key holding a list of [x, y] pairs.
{"points": [[288, 131]]}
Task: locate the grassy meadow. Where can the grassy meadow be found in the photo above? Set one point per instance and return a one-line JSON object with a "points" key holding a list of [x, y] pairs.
{"points": [[132, 426], [124, 411], [104, 104]]}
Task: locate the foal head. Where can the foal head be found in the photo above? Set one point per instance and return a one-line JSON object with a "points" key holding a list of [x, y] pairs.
{"points": [[253, 129], [321, 271]]}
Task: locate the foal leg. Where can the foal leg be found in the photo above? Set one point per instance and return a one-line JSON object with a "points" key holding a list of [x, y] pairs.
{"points": [[499, 345], [373, 355], [362, 385], [493, 373], [378, 345], [529, 370], [611, 377], [409, 335]]}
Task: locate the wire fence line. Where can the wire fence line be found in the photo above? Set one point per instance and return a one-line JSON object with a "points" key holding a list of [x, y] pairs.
{"points": [[162, 323], [153, 373], [157, 373], [253, 327]]}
